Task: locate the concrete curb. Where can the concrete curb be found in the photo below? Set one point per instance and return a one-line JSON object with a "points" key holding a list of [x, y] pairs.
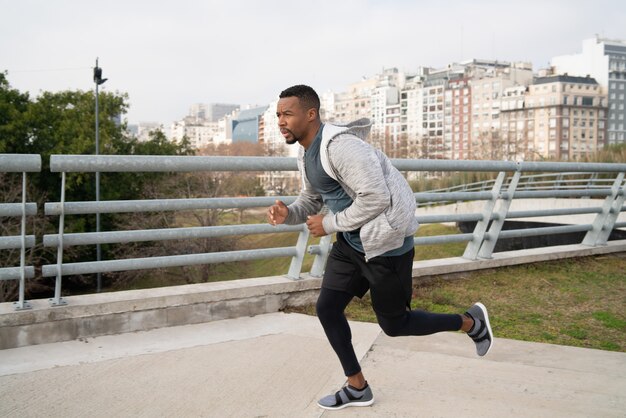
{"points": [[140, 310]]}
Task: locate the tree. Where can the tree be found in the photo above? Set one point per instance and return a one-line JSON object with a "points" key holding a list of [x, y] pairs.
{"points": [[13, 105], [189, 186], [64, 123]]}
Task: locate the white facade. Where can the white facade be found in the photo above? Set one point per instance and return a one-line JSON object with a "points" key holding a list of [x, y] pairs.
{"points": [[327, 106], [144, 129], [412, 98], [383, 97], [604, 60], [487, 89], [199, 135]]}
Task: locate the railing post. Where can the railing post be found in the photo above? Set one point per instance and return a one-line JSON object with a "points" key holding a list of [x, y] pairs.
{"points": [[471, 251], [486, 249], [321, 255], [57, 300], [604, 221], [21, 304], [295, 268], [591, 183]]}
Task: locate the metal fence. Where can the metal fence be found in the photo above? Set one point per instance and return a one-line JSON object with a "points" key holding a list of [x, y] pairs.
{"points": [[19, 163], [545, 181], [497, 198]]}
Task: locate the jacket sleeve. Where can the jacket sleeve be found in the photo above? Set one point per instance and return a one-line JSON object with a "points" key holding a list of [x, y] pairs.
{"points": [[308, 202], [358, 168]]}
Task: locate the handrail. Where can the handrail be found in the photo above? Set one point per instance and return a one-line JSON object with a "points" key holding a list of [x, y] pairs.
{"points": [[554, 180], [19, 163]]}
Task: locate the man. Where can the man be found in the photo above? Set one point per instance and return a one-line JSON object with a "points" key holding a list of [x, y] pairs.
{"points": [[372, 210]]}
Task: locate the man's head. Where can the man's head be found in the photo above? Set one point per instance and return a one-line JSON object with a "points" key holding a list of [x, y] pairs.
{"points": [[298, 113]]}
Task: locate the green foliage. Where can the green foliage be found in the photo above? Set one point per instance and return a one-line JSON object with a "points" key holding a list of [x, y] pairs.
{"points": [[13, 105], [64, 123]]}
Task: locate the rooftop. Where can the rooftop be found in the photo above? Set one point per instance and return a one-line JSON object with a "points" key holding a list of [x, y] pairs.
{"points": [[565, 78]]}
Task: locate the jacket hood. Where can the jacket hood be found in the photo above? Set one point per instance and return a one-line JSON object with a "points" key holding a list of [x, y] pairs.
{"points": [[360, 128]]}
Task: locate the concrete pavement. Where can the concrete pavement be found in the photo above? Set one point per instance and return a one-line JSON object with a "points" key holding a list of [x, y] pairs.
{"points": [[278, 365]]}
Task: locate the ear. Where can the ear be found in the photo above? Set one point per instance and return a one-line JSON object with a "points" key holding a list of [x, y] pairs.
{"points": [[312, 114]]}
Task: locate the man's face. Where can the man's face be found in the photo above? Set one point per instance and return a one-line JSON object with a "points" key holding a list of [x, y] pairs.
{"points": [[292, 119]]}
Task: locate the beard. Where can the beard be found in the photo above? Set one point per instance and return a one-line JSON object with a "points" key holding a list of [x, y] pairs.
{"points": [[293, 139]]}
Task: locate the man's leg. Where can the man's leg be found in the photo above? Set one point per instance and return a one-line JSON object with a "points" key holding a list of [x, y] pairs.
{"points": [[330, 308], [391, 290], [418, 322]]}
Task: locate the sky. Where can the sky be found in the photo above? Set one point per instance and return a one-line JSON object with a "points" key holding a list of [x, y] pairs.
{"points": [[167, 55]]}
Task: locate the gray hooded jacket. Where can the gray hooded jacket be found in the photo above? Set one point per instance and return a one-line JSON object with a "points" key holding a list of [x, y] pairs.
{"points": [[383, 203]]}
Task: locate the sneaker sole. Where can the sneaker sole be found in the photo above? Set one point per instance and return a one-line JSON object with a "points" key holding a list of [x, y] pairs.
{"points": [[484, 309], [346, 405]]}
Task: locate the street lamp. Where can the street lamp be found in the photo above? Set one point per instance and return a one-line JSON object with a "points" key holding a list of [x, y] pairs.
{"points": [[97, 79]]}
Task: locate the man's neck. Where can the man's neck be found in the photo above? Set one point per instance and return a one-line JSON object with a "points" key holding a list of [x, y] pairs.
{"points": [[310, 136]]}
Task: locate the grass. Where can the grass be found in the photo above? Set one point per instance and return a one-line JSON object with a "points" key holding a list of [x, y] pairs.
{"points": [[576, 302]]}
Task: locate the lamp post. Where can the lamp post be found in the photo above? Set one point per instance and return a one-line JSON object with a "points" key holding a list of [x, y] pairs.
{"points": [[97, 79]]}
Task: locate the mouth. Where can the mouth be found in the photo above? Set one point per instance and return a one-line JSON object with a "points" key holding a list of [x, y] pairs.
{"points": [[286, 132]]}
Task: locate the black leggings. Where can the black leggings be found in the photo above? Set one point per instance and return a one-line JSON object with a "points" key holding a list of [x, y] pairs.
{"points": [[330, 311]]}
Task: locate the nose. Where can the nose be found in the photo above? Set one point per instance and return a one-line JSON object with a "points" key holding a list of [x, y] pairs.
{"points": [[281, 122]]}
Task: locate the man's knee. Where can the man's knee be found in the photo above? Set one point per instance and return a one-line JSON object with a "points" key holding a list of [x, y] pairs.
{"points": [[324, 309], [391, 325]]}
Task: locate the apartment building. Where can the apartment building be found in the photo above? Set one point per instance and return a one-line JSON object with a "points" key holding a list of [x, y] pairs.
{"points": [[411, 116], [356, 102], [204, 125], [488, 83], [516, 124], [605, 61], [569, 116], [200, 134], [457, 118]]}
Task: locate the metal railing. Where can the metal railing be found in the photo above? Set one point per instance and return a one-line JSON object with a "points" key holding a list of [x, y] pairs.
{"points": [[545, 181], [19, 163], [480, 243]]}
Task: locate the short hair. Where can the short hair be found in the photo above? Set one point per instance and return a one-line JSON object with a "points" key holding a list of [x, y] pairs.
{"points": [[306, 95]]}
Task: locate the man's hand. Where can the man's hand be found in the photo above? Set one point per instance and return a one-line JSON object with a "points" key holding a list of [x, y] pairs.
{"points": [[316, 228], [277, 213]]}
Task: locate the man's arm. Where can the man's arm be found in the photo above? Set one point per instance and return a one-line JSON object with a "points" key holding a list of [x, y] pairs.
{"points": [[358, 167], [308, 203]]}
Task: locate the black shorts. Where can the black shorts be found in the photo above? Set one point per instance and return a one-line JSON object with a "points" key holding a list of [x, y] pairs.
{"points": [[389, 279]]}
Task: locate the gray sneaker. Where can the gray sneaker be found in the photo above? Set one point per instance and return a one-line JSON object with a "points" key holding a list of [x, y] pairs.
{"points": [[348, 396], [481, 331]]}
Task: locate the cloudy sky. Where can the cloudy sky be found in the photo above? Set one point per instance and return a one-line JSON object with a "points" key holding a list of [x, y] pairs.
{"points": [[169, 54]]}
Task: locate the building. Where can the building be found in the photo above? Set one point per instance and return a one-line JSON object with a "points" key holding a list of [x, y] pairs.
{"points": [[356, 102], [247, 126], [200, 135], [488, 82], [327, 106], [458, 108], [205, 125], [605, 61], [210, 112], [411, 112], [567, 115], [144, 129], [516, 126]]}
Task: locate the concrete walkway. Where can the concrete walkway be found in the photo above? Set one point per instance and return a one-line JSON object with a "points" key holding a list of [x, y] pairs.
{"points": [[278, 365]]}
